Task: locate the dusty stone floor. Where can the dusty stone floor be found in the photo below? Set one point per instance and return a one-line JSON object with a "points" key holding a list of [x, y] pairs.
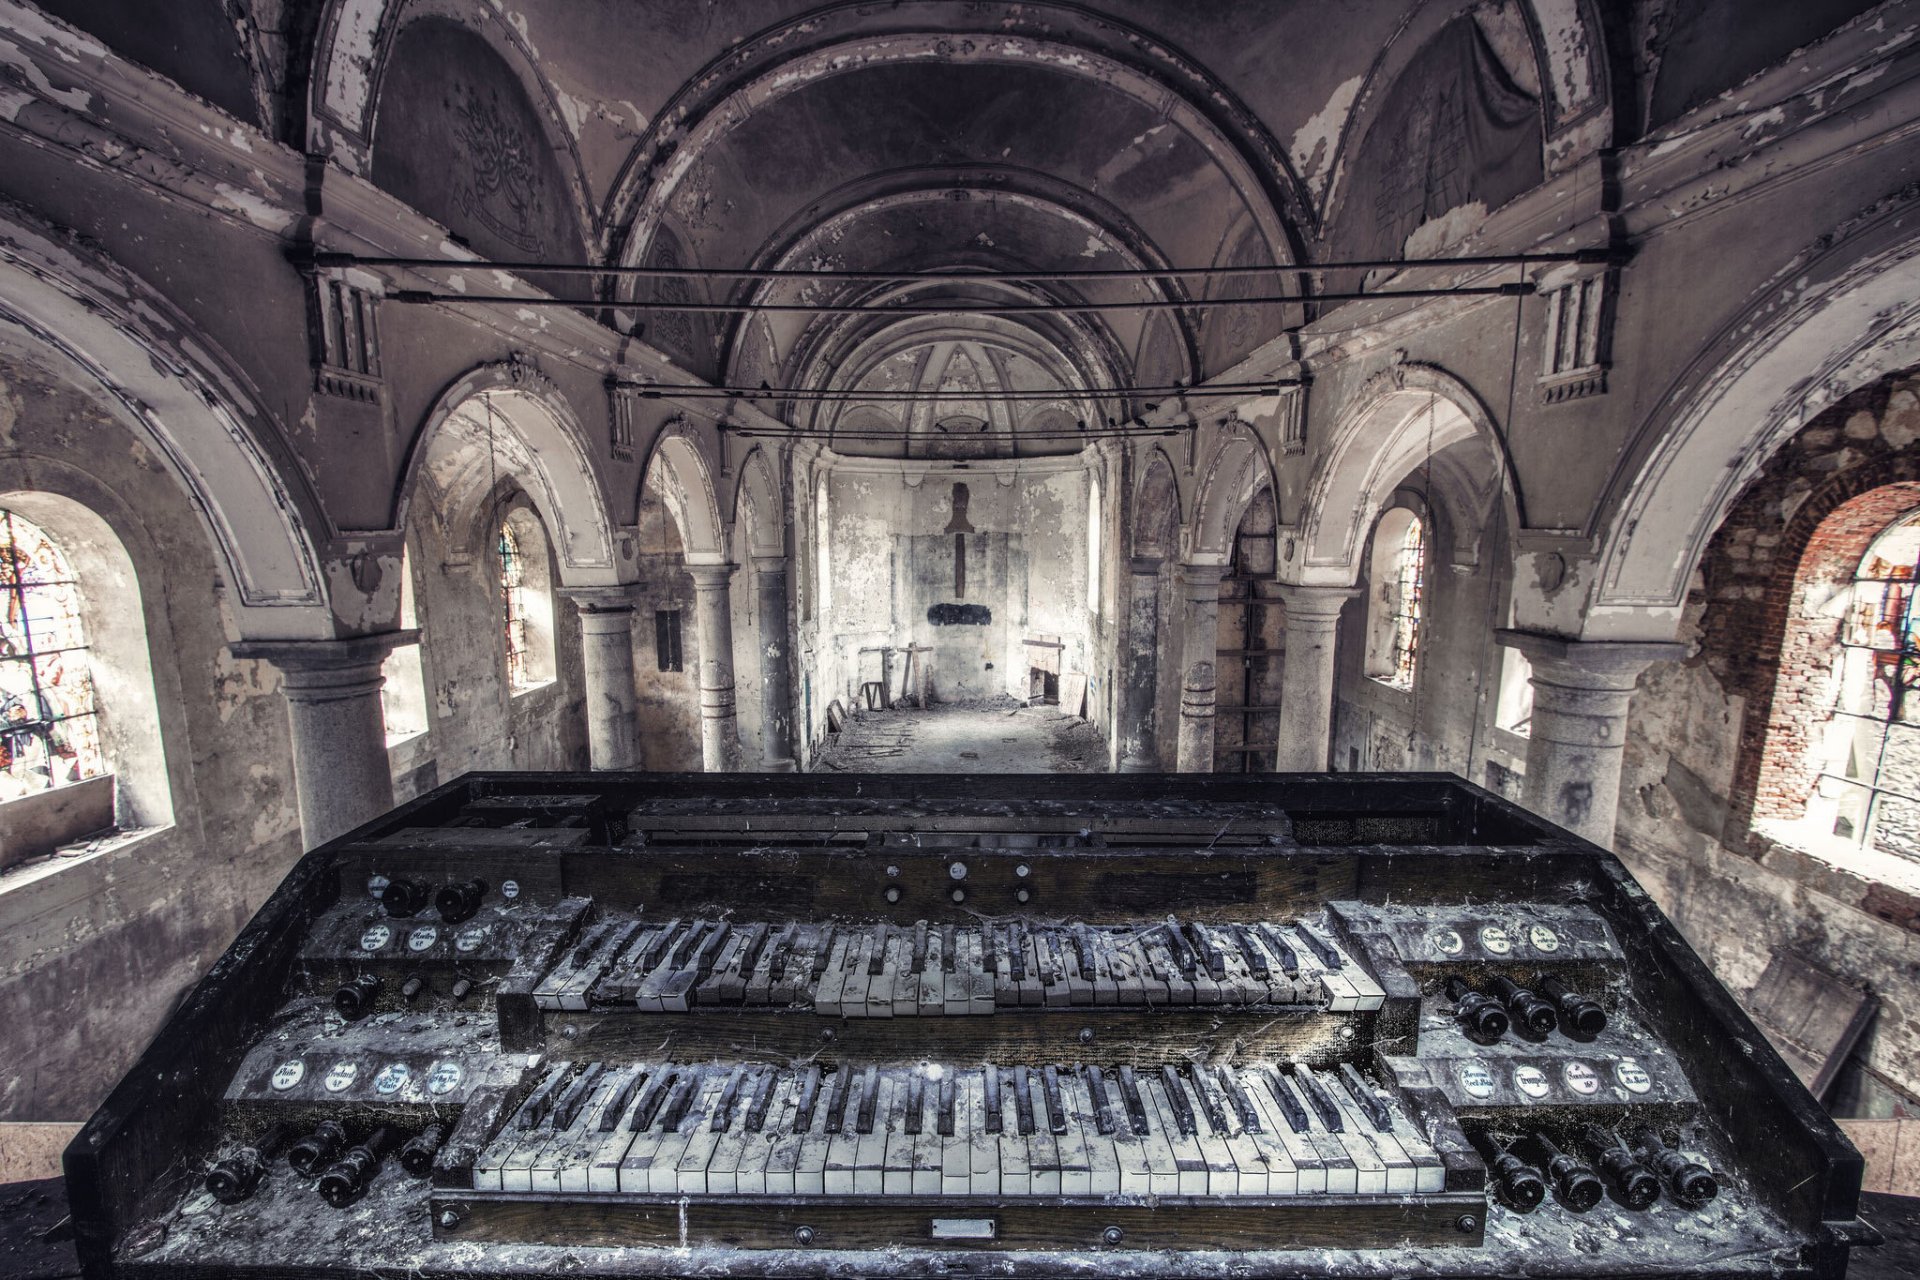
{"points": [[996, 735]]}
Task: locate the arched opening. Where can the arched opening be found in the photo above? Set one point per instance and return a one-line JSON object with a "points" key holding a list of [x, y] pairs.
{"points": [[1396, 597], [80, 746], [526, 598], [1252, 646], [403, 698]]}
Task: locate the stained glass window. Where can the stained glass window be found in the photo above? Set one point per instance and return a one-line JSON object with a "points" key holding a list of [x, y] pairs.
{"points": [[1409, 600], [49, 725], [513, 586]]}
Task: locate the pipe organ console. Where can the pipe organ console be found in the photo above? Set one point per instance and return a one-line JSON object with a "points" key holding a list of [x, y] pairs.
{"points": [[612, 1025]]}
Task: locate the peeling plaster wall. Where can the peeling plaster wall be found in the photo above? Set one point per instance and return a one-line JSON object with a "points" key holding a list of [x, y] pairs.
{"points": [[667, 710], [1694, 724], [95, 951]]}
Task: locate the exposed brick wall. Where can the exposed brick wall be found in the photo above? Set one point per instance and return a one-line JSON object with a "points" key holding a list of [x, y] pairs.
{"points": [[1796, 533]]}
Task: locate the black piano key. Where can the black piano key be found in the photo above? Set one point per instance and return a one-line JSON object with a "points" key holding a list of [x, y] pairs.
{"points": [[1177, 1095], [947, 1094], [869, 1101], [729, 1094], [1182, 953], [1250, 952], [1369, 1102], [1017, 953], [540, 1101], [1320, 947], [1288, 1102], [684, 1095], [782, 948], [916, 1101], [657, 1085], [823, 953], [837, 1100], [617, 1105], [657, 947], [1136, 1105], [809, 1098], [947, 948], [1023, 1098], [1083, 945], [1289, 963], [1056, 1110], [762, 1099], [1209, 1103], [708, 951], [684, 945], [919, 946], [877, 952], [750, 950], [1209, 950], [991, 1077], [1102, 1104], [1242, 1104], [1323, 1106], [567, 1108]]}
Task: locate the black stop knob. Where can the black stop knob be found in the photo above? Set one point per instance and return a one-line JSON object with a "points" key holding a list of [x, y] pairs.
{"points": [[1582, 1016], [317, 1150], [355, 999], [457, 902], [403, 897], [347, 1179], [1634, 1185], [233, 1179], [417, 1156], [1520, 1186], [1481, 1017], [1578, 1187], [1689, 1182], [1533, 1013]]}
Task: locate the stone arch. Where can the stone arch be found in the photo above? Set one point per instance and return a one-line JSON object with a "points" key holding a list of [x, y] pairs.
{"points": [[752, 75], [685, 481], [1236, 469], [538, 441], [1156, 507], [1382, 437], [757, 508], [177, 393], [1836, 318]]}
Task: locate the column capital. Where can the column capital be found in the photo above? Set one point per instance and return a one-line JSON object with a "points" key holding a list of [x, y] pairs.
{"points": [[771, 565], [622, 597], [1145, 566], [1310, 604], [1202, 580], [326, 670], [1609, 665], [711, 577]]}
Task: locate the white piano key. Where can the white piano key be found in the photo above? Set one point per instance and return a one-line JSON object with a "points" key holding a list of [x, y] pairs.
{"points": [[956, 1150], [1401, 1170], [1189, 1163], [1343, 1171], [569, 1143], [895, 955], [828, 990], [953, 983], [1251, 1158], [870, 1148], [1106, 989], [1078, 968], [1076, 1161], [906, 980], [693, 1140], [783, 1153], [897, 1159], [983, 1147], [1043, 1148], [1015, 1180], [980, 996], [810, 1164], [932, 999], [1004, 991], [1223, 1171], [660, 1174], [929, 1151], [1103, 1161], [1283, 1168]]}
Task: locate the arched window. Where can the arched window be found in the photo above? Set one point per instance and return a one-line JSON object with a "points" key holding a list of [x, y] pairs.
{"points": [[1396, 597], [403, 698], [1093, 545], [525, 590], [51, 731], [1867, 756], [822, 548]]}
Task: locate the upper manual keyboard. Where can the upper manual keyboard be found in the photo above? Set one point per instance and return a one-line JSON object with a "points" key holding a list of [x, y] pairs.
{"points": [[884, 970]]}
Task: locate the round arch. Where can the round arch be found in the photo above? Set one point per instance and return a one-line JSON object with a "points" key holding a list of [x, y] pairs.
{"points": [[1156, 507], [1830, 322], [1400, 417], [757, 508], [533, 435], [1236, 469], [199, 413], [754, 74], [679, 468]]}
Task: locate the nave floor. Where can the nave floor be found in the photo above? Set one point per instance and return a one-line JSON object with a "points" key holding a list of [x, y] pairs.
{"points": [[984, 736]]}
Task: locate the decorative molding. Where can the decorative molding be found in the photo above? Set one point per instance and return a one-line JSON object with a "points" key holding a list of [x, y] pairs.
{"points": [[1577, 346]]}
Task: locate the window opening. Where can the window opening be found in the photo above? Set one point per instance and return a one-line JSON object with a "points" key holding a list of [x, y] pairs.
{"points": [[1869, 770], [513, 579], [1409, 601], [49, 722]]}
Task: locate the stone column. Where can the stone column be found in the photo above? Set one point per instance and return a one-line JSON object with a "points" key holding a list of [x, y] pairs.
{"points": [[1199, 650], [606, 654], [1139, 753], [1306, 676], [776, 670], [713, 623], [1581, 690], [340, 772]]}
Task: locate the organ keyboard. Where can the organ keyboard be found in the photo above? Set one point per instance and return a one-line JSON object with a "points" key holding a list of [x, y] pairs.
{"points": [[626, 1024]]}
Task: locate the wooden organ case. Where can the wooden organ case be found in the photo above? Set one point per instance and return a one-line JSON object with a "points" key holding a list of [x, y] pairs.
{"points": [[608, 1025]]}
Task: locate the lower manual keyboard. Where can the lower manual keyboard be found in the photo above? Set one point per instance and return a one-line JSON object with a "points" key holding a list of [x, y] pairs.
{"points": [[663, 1129]]}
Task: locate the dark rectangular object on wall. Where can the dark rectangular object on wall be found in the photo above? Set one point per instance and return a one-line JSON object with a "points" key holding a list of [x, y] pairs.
{"points": [[615, 1023], [666, 638]]}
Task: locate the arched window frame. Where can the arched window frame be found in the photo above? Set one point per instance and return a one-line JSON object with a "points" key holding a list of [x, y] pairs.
{"points": [[133, 791], [525, 579], [1397, 597]]}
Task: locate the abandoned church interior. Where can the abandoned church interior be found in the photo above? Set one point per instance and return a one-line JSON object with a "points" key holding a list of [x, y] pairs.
{"points": [[1523, 390]]}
